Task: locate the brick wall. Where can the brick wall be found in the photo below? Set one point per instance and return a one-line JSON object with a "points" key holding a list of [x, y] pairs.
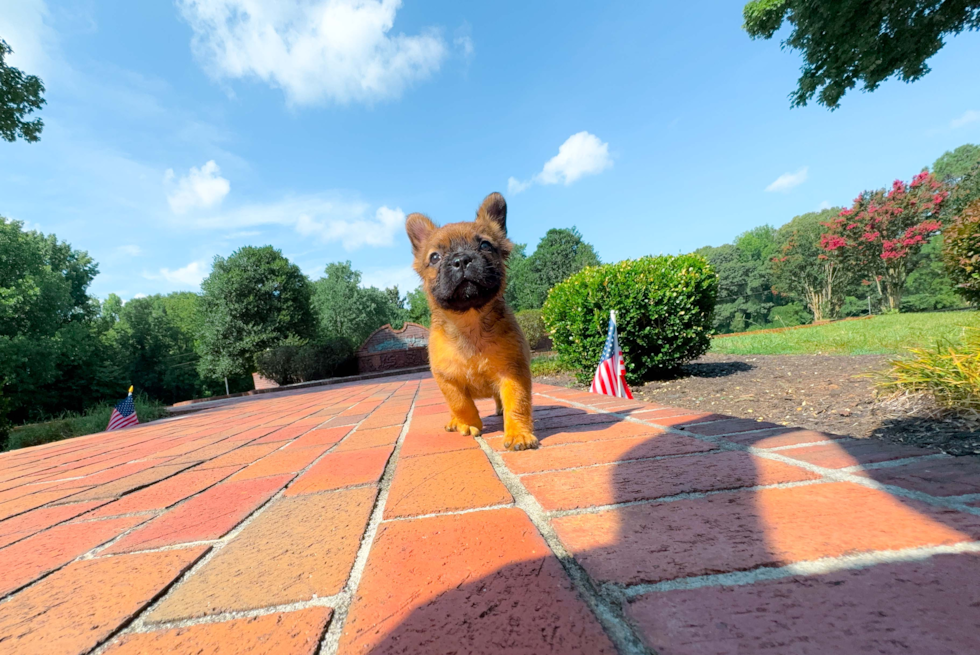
{"points": [[389, 349]]}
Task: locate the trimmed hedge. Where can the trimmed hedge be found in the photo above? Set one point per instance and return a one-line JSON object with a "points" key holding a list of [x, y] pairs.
{"points": [[532, 325], [315, 361], [663, 308]]}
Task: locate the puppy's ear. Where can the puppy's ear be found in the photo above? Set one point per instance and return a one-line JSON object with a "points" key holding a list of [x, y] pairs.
{"points": [[494, 210], [419, 227]]}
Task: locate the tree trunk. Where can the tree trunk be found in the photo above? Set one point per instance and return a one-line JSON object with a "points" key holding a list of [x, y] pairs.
{"points": [[814, 302], [894, 286]]}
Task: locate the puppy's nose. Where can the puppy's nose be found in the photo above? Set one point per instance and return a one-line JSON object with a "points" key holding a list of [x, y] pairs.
{"points": [[461, 261]]}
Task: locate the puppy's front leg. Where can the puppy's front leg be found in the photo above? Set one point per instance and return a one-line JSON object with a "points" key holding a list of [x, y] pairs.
{"points": [[465, 417], [515, 392]]}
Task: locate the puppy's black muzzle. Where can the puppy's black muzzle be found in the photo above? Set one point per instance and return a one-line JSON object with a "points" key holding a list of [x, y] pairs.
{"points": [[466, 280]]}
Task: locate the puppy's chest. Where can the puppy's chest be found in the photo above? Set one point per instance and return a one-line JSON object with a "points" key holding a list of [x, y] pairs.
{"points": [[470, 359]]}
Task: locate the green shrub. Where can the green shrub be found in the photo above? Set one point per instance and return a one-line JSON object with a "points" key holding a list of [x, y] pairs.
{"points": [[532, 325], [75, 425], [961, 252], [663, 308], [290, 364]]}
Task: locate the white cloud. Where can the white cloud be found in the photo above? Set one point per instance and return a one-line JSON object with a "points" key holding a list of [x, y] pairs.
{"points": [[314, 50], [516, 186], [201, 187], [130, 250], [464, 41], [379, 231], [189, 276], [465, 45], [404, 277], [140, 295], [582, 154], [326, 217], [969, 116], [824, 205], [788, 181]]}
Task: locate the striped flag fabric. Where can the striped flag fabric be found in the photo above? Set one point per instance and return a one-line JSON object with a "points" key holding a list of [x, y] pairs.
{"points": [[123, 414], [610, 376]]}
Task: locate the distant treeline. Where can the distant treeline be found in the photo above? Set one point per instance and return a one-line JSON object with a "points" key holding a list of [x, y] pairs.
{"points": [[884, 253], [63, 350]]}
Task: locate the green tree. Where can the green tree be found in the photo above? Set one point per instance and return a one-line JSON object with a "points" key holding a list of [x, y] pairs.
{"points": [[928, 287], [965, 192], [961, 252], [744, 269], [560, 254], [253, 300], [516, 263], [418, 307], [952, 165], [20, 96], [154, 340], [347, 310], [851, 41], [51, 358], [802, 268]]}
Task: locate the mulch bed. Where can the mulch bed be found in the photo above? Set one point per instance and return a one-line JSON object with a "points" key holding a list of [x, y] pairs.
{"points": [[818, 392]]}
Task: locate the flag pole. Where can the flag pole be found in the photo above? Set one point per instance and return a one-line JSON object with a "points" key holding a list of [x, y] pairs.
{"points": [[619, 379]]}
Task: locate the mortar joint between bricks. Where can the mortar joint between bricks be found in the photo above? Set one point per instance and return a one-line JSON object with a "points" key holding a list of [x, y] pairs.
{"points": [[820, 566], [833, 475], [607, 611], [330, 642], [139, 623]]}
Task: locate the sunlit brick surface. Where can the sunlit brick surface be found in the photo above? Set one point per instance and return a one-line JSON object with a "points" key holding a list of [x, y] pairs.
{"points": [[345, 519]]}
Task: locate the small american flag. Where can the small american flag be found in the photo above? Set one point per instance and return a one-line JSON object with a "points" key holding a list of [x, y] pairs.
{"points": [[610, 377], [124, 414]]}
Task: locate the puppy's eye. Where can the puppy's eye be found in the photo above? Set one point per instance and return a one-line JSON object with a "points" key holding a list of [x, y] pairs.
{"points": [[434, 258], [486, 246]]}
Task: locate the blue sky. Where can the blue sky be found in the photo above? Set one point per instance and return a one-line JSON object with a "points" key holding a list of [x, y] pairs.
{"points": [[180, 131]]}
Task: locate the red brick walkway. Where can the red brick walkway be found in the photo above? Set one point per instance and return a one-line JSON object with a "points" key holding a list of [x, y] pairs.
{"points": [[346, 521]]}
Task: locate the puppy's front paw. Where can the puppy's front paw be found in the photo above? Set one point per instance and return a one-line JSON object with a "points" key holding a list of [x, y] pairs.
{"points": [[520, 439], [455, 425]]}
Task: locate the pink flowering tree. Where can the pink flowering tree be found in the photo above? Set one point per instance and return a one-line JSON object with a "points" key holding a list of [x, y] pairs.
{"points": [[883, 230]]}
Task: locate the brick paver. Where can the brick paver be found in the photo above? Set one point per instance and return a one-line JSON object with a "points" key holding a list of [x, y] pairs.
{"points": [[346, 520], [295, 633]]}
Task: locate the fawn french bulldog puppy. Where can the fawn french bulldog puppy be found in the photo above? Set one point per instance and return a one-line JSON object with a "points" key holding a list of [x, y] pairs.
{"points": [[476, 348]]}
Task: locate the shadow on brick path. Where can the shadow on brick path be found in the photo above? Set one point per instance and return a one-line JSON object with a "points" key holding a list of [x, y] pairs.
{"points": [[713, 535]]}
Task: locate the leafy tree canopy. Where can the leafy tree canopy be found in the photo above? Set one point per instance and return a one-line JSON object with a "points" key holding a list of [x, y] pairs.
{"points": [[560, 253], [867, 41], [20, 96], [418, 308], [745, 295], [954, 164], [253, 300], [50, 354], [347, 310], [801, 268], [881, 234], [152, 352]]}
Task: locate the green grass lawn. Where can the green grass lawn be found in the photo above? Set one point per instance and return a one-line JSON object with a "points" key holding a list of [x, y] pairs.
{"points": [[893, 334], [75, 425]]}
